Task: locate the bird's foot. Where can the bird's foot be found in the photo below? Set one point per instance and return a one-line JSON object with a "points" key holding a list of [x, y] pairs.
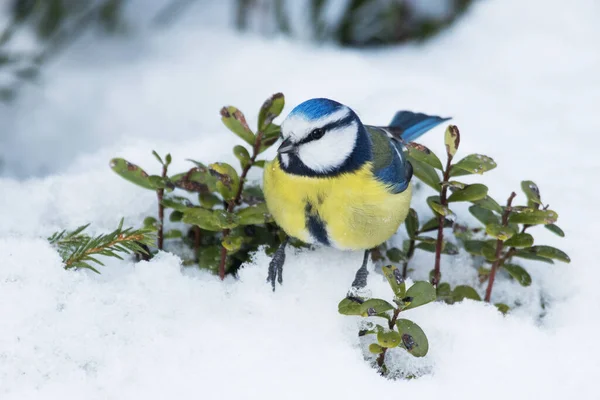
{"points": [[276, 265]]}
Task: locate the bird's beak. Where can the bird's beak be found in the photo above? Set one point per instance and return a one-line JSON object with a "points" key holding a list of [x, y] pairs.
{"points": [[286, 146]]}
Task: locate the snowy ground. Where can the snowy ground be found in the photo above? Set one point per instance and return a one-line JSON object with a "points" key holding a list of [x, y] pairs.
{"points": [[521, 80]]}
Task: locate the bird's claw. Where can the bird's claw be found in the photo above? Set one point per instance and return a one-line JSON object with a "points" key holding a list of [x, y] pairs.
{"points": [[276, 266]]}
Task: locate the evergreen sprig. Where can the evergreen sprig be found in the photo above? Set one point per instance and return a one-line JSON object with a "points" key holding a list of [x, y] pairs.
{"points": [[79, 250]]}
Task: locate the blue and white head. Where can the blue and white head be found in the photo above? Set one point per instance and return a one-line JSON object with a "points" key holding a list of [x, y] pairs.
{"points": [[322, 137]]}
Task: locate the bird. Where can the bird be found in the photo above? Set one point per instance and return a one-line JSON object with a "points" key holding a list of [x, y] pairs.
{"points": [[339, 183]]}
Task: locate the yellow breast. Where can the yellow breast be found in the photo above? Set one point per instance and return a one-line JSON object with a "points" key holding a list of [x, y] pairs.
{"points": [[355, 210]]}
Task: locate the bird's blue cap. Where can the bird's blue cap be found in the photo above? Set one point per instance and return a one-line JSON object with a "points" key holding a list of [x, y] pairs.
{"points": [[316, 108]]}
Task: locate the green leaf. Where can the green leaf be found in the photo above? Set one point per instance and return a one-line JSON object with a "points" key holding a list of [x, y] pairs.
{"points": [[173, 234], [503, 308], [176, 216], [520, 240], [236, 122], [433, 223], [412, 223], [372, 307], [150, 222], [232, 243], [395, 255], [555, 229], [532, 192], [196, 180], [155, 154], [211, 220], [489, 250], [473, 192], [270, 110], [269, 137], [389, 339], [375, 348], [254, 215], [531, 216], [209, 200], [426, 239], [452, 140], [549, 252], [426, 173], [209, 257], [473, 164], [131, 172], [489, 204], [447, 247], [465, 292], [395, 279], [423, 154], [475, 247], [519, 273], [434, 203], [177, 203], [484, 216], [413, 338], [524, 253], [350, 306], [242, 155], [228, 180], [418, 294], [443, 290], [500, 232]]}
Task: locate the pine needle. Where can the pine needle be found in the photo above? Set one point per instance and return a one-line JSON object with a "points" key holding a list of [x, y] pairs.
{"points": [[79, 250]]}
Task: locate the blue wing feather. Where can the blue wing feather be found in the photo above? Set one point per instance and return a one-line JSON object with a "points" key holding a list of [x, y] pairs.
{"points": [[413, 124]]}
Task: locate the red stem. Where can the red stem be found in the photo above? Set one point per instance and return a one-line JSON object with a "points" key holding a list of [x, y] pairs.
{"points": [[440, 233], [499, 246], [161, 213]]}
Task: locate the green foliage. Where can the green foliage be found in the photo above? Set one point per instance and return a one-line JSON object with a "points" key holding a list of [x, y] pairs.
{"points": [[401, 333], [230, 219], [79, 250]]}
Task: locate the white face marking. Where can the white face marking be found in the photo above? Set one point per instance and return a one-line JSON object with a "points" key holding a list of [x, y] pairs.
{"points": [[330, 151]]}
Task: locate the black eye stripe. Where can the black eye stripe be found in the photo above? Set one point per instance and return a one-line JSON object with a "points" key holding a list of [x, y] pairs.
{"points": [[341, 123]]}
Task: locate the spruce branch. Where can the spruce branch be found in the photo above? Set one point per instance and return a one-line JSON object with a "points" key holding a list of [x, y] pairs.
{"points": [[79, 250]]}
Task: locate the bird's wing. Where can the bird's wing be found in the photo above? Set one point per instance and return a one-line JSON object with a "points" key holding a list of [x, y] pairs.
{"points": [[389, 163]]}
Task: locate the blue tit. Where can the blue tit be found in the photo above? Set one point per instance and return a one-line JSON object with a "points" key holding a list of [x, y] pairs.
{"points": [[337, 182]]}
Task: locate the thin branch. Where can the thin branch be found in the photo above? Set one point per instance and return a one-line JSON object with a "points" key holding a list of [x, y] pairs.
{"points": [[391, 324], [441, 219]]}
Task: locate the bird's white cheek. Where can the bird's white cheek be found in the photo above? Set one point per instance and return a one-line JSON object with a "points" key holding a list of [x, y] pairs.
{"points": [[327, 153]]}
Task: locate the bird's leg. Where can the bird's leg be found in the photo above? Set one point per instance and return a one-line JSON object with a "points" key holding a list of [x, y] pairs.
{"points": [[360, 280], [276, 264]]}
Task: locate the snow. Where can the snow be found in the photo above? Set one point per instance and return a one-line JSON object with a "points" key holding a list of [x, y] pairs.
{"points": [[519, 78]]}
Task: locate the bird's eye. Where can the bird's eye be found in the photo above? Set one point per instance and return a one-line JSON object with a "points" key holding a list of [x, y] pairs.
{"points": [[317, 134]]}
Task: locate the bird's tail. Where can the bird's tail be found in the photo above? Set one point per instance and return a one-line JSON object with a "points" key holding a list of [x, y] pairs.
{"points": [[412, 125]]}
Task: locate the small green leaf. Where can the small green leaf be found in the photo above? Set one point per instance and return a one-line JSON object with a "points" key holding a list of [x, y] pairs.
{"points": [[155, 154], [434, 204], [254, 215], [443, 290], [500, 232], [489, 203], [555, 229], [473, 164], [447, 247], [176, 216], [518, 273], [157, 182], [173, 234], [520, 240], [474, 247], [395, 279], [209, 257], [211, 220], [209, 200], [196, 180], [452, 140], [236, 122], [242, 155], [433, 224], [228, 180], [269, 137], [168, 159], [372, 307], [531, 216], [232, 243], [473, 192], [412, 337], [503, 308], [532, 192], [489, 250], [418, 294], [395, 255], [549, 252], [389, 339], [423, 154], [426, 173], [131, 172], [465, 292], [270, 110], [425, 239], [485, 216], [350, 306], [524, 253], [150, 222], [177, 203], [412, 223], [375, 348]]}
